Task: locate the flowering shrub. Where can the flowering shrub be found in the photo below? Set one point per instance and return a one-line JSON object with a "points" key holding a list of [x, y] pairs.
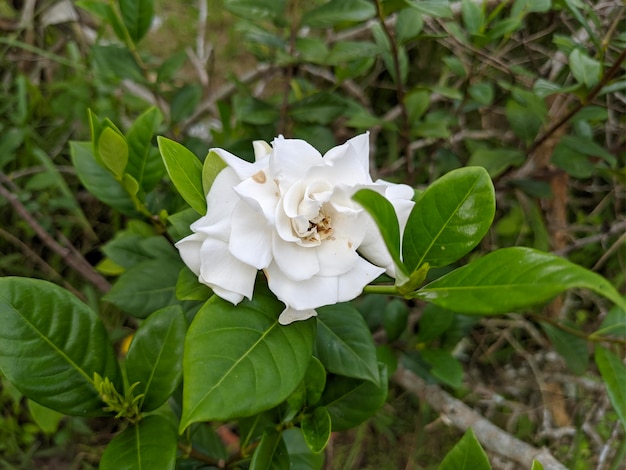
{"points": [[277, 293], [291, 214]]}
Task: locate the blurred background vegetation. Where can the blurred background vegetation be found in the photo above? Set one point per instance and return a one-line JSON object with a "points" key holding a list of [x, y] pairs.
{"points": [[533, 90]]}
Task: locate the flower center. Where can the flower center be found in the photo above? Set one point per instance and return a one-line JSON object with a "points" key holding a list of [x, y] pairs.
{"points": [[313, 231]]}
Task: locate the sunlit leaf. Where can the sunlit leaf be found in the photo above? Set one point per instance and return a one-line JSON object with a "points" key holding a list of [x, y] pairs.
{"points": [[467, 454]]}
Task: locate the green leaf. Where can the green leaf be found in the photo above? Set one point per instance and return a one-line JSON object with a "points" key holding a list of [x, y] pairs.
{"points": [[351, 401], [587, 146], [146, 287], [473, 16], [257, 10], [48, 420], [433, 323], [449, 219], [271, 453], [184, 101], [51, 344], [339, 11], [524, 121], [536, 465], [444, 366], [231, 351], [116, 63], [409, 25], [512, 279], [572, 348], [613, 373], [98, 180], [503, 28], [395, 320], [496, 161], [144, 162], [113, 151], [434, 8], [481, 92], [252, 110], [137, 16], [316, 428], [384, 215], [346, 51], [572, 161], [151, 443], [155, 356], [189, 288], [300, 456], [185, 170], [585, 70], [417, 103], [467, 454], [104, 11], [319, 108], [614, 323], [344, 343], [212, 166], [314, 381]]}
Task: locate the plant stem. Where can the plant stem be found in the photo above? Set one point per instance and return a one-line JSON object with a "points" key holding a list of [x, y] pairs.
{"points": [[383, 290]]}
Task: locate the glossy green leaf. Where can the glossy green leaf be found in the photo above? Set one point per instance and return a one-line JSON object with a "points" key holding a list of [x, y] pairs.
{"points": [[449, 219], [319, 108], [314, 381], [137, 16], [614, 323], [572, 161], [587, 146], [434, 8], [51, 344], [98, 180], [146, 287], [512, 279], [151, 443], [585, 69], [271, 453], [185, 171], [240, 361], [189, 288], [613, 373], [155, 356], [144, 162], [524, 122], [572, 348], [212, 166], [344, 343], [339, 11], [300, 456], [349, 402], [113, 151], [126, 249], [384, 215], [467, 454], [316, 429]]}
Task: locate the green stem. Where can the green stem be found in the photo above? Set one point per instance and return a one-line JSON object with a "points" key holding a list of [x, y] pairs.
{"points": [[383, 290]]}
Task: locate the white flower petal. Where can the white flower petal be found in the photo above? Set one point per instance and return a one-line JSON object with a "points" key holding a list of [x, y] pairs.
{"points": [[242, 168], [298, 263], [189, 249], [221, 202], [336, 256], [301, 295], [261, 149], [353, 156], [226, 275], [250, 238], [260, 191], [289, 315], [292, 158], [351, 284]]}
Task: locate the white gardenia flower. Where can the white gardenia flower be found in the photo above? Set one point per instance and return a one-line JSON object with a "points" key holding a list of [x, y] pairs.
{"points": [[291, 214]]}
